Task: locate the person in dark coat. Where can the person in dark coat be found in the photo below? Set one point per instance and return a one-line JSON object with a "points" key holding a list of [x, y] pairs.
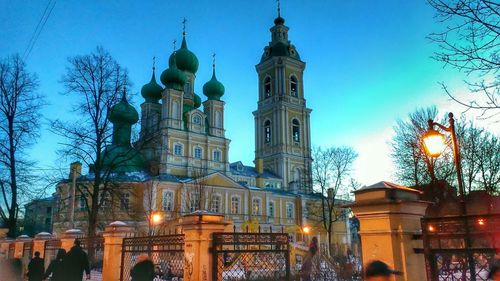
{"points": [[143, 270], [56, 269], [76, 262], [35, 268]]}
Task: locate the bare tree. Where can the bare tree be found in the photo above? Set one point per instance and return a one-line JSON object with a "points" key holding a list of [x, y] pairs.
{"points": [[331, 172], [478, 149], [413, 166], [96, 81], [20, 117], [470, 42]]}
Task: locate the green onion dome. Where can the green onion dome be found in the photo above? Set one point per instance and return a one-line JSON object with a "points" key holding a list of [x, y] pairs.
{"points": [[279, 20], [152, 91], [123, 112], [185, 59], [213, 89], [173, 77], [197, 101]]}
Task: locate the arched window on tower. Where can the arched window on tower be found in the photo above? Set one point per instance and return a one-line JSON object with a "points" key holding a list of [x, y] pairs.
{"points": [[293, 86], [175, 110], [267, 87], [296, 130], [267, 131], [218, 119]]}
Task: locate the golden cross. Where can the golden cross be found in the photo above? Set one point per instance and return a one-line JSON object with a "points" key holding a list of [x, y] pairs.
{"points": [[184, 26]]}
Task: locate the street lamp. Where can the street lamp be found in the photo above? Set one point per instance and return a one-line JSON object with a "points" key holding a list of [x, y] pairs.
{"points": [[434, 144], [306, 230], [154, 220]]}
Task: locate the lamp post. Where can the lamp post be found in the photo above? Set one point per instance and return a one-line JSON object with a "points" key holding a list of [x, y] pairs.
{"points": [[434, 144], [154, 220]]}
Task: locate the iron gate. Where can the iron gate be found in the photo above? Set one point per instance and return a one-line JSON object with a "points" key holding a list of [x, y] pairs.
{"points": [[94, 246], [166, 252], [251, 256], [447, 258]]}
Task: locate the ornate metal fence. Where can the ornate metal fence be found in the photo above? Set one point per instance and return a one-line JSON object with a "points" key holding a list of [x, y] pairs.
{"points": [[166, 252], [447, 258], [251, 256]]}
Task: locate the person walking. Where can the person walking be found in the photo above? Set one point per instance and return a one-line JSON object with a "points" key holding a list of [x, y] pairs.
{"points": [[379, 271], [307, 267], [143, 270], [77, 262], [56, 270], [35, 268]]}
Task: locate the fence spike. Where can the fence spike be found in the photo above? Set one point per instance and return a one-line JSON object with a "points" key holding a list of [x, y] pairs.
{"points": [[270, 229], [282, 229], [259, 228], [234, 228], [247, 228]]}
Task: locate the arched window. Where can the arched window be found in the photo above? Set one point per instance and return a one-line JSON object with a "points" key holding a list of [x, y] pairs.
{"points": [[217, 155], [175, 110], [267, 131], [296, 130], [178, 149], [293, 86], [198, 152], [218, 119], [267, 87]]}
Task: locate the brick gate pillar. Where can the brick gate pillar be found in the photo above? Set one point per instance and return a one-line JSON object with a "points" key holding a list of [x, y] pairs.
{"points": [[198, 228], [39, 242], [113, 238], [68, 238], [389, 216]]}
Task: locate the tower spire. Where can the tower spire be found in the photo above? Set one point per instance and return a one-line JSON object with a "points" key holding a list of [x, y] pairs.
{"points": [[184, 27], [279, 8], [124, 94], [154, 64], [213, 60], [173, 43]]}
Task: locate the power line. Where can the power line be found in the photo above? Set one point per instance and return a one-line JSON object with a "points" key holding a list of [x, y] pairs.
{"points": [[39, 28]]}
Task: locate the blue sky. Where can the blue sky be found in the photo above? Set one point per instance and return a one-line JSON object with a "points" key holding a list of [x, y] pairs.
{"points": [[368, 62]]}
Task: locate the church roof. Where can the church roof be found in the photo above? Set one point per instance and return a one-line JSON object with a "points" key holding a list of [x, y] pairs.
{"points": [[239, 169]]}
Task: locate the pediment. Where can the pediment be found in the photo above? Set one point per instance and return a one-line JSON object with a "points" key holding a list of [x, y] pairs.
{"points": [[217, 179]]}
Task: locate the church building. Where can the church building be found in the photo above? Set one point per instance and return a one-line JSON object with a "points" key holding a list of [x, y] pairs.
{"points": [[180, 163]]}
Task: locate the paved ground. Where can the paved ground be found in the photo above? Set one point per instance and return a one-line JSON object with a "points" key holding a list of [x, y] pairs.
{"points": [[10, 270]]}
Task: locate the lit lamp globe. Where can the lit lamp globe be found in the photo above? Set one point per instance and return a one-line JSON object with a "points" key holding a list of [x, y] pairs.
{"points": [[434, 143], [156, 218], [306, 229]]}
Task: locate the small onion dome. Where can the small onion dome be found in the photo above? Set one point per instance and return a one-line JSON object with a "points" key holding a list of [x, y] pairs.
{"points": [[197, 101], [279, 20], [213, 89], [123, 112], [152, 91], [173, 77], [185, 59]]}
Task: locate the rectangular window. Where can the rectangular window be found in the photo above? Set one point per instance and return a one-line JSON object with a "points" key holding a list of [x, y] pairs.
{"points": [[177, 149], [216, 203], [124, 201], [289, 210], [49, 210], [197, 152], [167, 203], [267, 132], [235, 205], [194, 201], [270, 209], [217, 155], [256, 206], [81, 203]]}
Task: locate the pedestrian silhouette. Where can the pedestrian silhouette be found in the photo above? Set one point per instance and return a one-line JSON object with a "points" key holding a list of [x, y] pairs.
{"points": [[35, 268], [308, 266], [143, 270], [76, 262], [56, 270], [379, 271]]}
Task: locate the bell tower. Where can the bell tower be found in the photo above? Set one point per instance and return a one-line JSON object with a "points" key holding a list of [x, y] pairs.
{"points": [[282, 136]]}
